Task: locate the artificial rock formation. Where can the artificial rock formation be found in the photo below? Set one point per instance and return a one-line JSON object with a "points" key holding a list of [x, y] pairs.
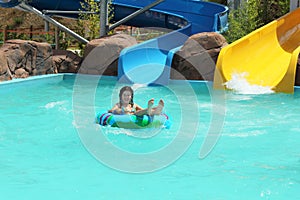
{"points": [[196, 60], [22, 58], [101, 55], [66, 61], [5, 73]]}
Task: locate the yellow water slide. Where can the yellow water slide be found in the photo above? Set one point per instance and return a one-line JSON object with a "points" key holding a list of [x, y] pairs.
{"points": [[267, 56]]}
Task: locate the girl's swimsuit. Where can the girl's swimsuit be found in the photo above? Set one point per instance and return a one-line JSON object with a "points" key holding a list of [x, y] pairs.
{"points": [[133, 109]]}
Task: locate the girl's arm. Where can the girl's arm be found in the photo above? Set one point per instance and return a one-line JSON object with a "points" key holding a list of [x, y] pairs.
{"points": [[116, 109]]}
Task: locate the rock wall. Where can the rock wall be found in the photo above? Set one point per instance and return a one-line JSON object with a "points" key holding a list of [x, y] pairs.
{"points": [[196, 60], [66, 61], [101, 55], [20, 59]]}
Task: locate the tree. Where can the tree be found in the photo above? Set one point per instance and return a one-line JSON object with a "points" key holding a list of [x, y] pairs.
{"points": [[253, 14], [89, 23]]}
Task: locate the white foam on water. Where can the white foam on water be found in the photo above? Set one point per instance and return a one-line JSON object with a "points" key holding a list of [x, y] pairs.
{"points": [[54, 104], [239, 84]]}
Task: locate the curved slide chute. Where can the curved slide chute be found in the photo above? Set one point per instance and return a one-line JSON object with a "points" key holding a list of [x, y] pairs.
{"points": [[9, 3], [267, 56], [149, 62], [65, 5]]}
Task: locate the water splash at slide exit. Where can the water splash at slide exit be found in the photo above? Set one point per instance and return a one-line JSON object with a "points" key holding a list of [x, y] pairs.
{"points": [[240, 85]]}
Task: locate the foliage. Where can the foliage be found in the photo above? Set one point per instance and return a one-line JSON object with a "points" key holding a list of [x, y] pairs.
{"points": [[271, 9], [89, 23], [18, 21], [242, 21], [253, 14]]}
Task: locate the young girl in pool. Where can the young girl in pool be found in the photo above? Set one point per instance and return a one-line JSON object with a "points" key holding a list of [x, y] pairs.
{"points": [[127, 106]]}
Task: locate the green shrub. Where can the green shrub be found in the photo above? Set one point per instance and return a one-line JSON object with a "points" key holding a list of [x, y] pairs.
{"points": [[253, 14], [89, 24], [18, 21], [242, 21], [270, 10]]}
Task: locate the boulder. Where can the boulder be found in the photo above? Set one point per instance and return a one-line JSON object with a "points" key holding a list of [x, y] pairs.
{"points": [[21, 73], [22, 58], [101, 55], [196, 60], [5, 73], [66, 61]]}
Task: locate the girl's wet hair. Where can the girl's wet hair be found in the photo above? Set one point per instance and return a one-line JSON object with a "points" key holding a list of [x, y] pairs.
{"points": [[123, 89]]}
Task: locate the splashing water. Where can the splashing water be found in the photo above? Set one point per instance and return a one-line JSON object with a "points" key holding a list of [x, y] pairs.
{"points": [[239, 84], [53, 104]]}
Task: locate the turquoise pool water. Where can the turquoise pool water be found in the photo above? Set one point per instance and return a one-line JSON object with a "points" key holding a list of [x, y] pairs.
{"points": [[48, 144]]}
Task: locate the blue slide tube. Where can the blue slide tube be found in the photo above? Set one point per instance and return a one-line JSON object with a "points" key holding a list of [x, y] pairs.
{"points": [[150, 62]]}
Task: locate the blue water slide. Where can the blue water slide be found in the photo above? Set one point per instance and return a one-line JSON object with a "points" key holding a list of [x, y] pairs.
{"points": [[68, 5], [146, 62], [149, 62], [9, 3]]}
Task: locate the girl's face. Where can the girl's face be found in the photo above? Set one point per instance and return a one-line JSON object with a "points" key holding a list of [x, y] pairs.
{"points": [[126, 96]]}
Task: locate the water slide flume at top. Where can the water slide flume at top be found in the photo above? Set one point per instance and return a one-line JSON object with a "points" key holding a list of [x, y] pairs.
{"points": [[266, 57], [150, 61]]}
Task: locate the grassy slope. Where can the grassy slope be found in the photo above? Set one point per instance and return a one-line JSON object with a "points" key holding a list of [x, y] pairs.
{"points": [[15, 18]]}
